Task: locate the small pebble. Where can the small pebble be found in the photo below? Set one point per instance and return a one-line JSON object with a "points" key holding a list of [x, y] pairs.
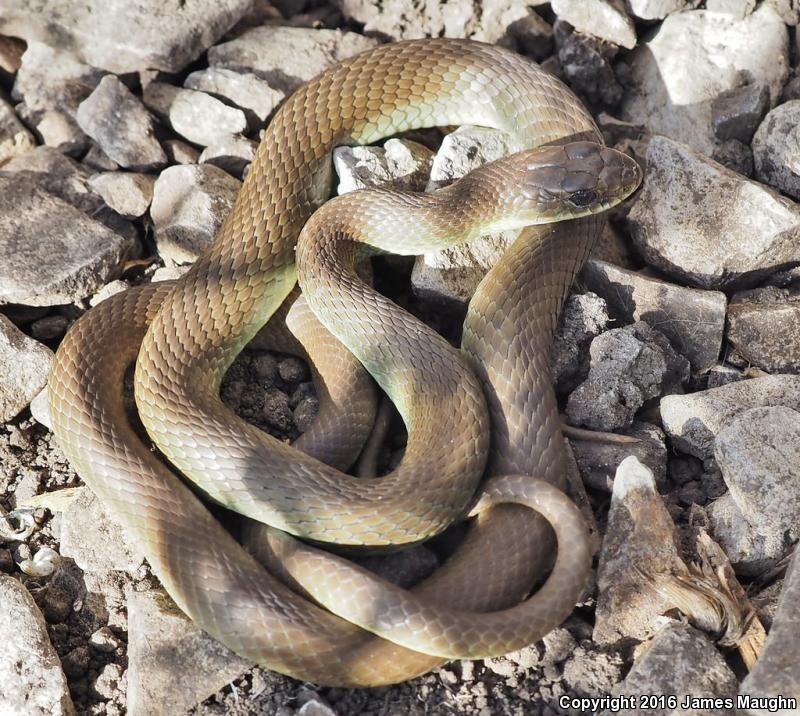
{"points": [[76, 662], [292, 370], [265, 367], [277, 411], [305, 413], [104, 640]]}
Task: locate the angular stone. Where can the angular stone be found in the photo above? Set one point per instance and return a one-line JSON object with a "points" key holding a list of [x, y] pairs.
{"points": [[737, 8], [736, 113], [30, 670], [775, 673], [24, 366], [658, 9], [172, 664], [123, 128], [233, 154], [680, 661], [693, 320], [736, 233], [180, 153], [196, 116], [640, 538], [776, 148], [11, 50], [245, 90], [606, 19], [287, 57], [50, 252], [121, 36], [14, 138], [190, 202], [694, 56], [56, 129], [693, 421], [735, 155], [399, 164], [629, 366], [764, 329], [127, 193]]}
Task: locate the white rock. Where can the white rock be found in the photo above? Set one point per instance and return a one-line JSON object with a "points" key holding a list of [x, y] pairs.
{"points": [[24, 366], [40, 408], [190, 203], [693, 57], [127, 193], [14, 138], [606, 19], [233, 154], [30, 670], [399, 164], [658, 9], [776, 148], [56, 129]]}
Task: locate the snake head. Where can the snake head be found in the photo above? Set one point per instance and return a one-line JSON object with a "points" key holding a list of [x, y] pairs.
{"points": [[570, 180]]}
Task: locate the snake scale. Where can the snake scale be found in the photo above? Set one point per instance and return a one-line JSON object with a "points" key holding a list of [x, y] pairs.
{"points": [[487, 409]]}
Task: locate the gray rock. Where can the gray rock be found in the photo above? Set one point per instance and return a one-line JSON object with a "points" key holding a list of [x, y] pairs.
{"points": [[764, 329], [172, 664], [96, 543], [24, 366], [50, 252], [758, 453], [680, 661], [30, 671], [658, 9], [640, 540], [606, 19], [196, 116], [775, 673], [776, 148], [695, 56], [735, 155], [249, 93], [629, 366], [287, 57], [583, 318], [693, 421], [56, 129], [736, 233], [233, 154], [190, 203], [11, 51], [97, 160], [120, 36], [127, 193], [721, 374], [693, 320], [52, 78], [736, 113], [451, 275], [179, 152], [533, 35], [14, 138], [123, 128], [49, 328], [399, 164], [737, 8]]}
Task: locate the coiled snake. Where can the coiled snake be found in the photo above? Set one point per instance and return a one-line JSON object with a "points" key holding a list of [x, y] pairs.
{"points": [[183, 337]]}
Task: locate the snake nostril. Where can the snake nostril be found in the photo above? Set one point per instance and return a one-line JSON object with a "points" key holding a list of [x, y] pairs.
{"points": [[582, 198]]}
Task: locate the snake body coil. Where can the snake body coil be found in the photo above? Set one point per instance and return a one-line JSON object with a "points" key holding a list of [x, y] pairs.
{"points": [[183, 337]]}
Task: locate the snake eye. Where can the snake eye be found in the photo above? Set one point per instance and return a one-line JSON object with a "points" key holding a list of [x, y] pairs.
{"points": [[583, 198]]}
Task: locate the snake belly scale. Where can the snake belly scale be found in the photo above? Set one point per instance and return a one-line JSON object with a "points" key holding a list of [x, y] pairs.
{"points": [[184, 336]]}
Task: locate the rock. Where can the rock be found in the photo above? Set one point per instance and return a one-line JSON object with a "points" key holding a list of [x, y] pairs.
{"points": [[179, 152], [96, 543], [190, 203], [109, 290], [736, 113], [583, 318], [40, 409], [533, 35], [56, 129], [51, 253], [629, 366], [763, 329], [736, 233], [658, 9], [30, 671], [399, 164], [97, 160], [758, 453], [123, 128], [263, 52], [599, 461], [451, 275], [196, 116], [680, 662], [277, 411], [125, 37], [721, 374], [105, 641], [774, 674], [675, 76], [249, 93], [737, 8], [108, 681], [233, 154], [734, 155], [585, 63], [640, 538], [592, 671], [693, 320], [11, 50], [24, 366], [606, 19], [52, 78], [776, 148], [49, 328], [172, 664], [14, 138], [127, 193], [693, 421]]}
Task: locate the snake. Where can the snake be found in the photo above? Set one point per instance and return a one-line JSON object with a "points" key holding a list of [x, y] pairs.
{"points": [[486, 409]]}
